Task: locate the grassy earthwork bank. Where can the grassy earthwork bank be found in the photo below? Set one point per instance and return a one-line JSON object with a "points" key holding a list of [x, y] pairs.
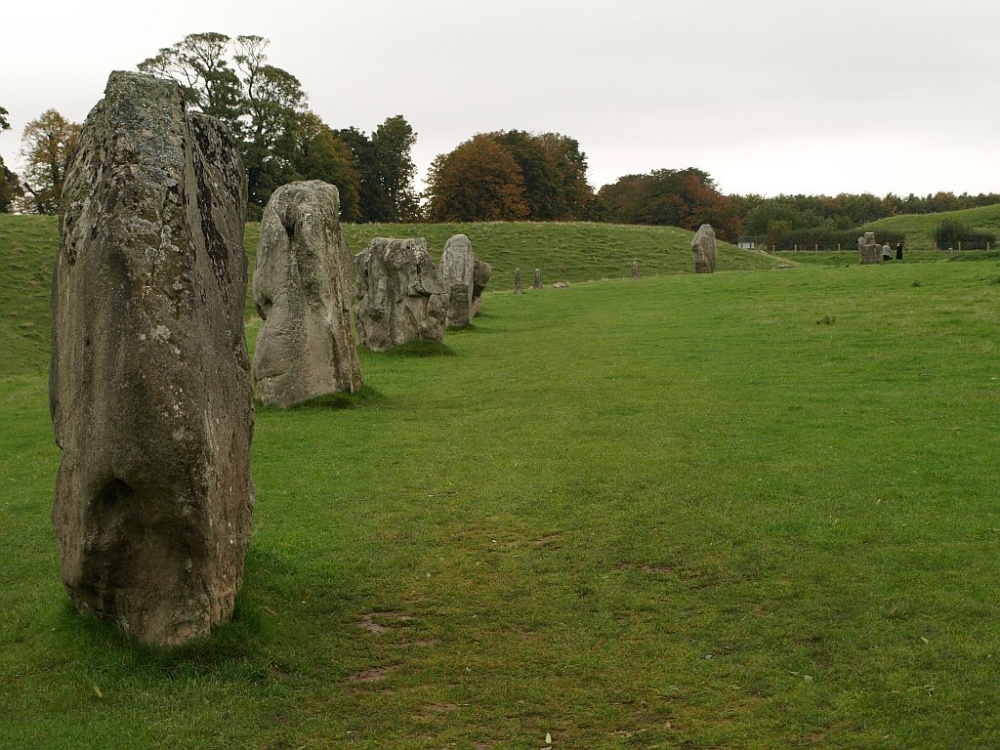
{"points": [[754, 509]]}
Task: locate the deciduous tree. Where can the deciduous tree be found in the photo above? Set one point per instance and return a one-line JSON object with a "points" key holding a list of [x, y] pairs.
{"points": [[321, 155], [478, 181], [46, 146]]}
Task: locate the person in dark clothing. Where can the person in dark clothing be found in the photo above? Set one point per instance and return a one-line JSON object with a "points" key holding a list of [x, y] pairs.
{"points": [[899, 250]]}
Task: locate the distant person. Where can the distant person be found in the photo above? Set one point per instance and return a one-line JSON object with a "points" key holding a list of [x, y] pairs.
{"points": [[899, 250], [886, 252]]}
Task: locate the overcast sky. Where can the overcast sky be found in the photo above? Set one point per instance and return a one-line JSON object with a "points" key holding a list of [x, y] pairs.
{"points": [[767, 96]]}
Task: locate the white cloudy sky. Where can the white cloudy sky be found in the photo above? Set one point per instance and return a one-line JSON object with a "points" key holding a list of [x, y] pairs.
{"points": [[768, 96]]}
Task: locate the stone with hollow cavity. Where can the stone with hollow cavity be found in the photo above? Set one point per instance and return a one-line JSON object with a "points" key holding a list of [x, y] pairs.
{"points": [[150, 389]]}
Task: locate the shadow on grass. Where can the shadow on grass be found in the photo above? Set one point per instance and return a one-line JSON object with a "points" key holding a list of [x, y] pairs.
{"points": [[236, 647], [367, 396], [421, 349]]}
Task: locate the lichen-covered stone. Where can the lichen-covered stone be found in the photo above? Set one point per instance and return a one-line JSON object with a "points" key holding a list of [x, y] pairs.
{"points": [[400, 296], [150, 381], [703, 249], [303, 287], [457, 273]]}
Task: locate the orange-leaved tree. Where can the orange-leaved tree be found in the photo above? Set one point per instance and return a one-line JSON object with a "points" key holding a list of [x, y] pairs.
{"points": [[480, 180]]}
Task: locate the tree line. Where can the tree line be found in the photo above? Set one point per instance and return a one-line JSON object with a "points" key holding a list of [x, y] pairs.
{"points": [[508, 175]]}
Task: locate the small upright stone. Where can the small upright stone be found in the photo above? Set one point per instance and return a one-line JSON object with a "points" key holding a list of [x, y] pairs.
{"points": [[400, 296], [703, 249], [537, 284], [517, 281], [480, 278], [149, 387], [303, 287], [635, 270], [457, 272]]}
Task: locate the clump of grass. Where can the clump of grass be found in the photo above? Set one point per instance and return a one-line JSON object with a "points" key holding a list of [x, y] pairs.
{"points": [[827, 320], [917, 283]]}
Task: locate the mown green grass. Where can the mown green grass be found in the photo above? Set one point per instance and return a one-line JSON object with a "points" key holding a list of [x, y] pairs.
{"points": [[919, 229], [563, 252], [745, 510]]}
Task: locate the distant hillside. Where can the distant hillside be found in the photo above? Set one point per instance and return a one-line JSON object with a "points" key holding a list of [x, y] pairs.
{"points": [[564, 252], [919, 229]]}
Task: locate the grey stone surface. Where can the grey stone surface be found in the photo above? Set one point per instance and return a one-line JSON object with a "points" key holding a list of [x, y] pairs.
{"points": [[870, 251], [303, 287], [537, 283], [400, 296], [150, 388], [517, 281], [457, 273], [480, 278], [703, 249]]}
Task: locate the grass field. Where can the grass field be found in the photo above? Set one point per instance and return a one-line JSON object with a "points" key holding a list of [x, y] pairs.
{"points": [[756, 509]]}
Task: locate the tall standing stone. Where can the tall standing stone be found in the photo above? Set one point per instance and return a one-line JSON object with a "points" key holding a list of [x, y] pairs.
{"points": [[303, 287], [400, 296], [480, 278], [150, 381], [457, 272], [703, 249], [537, 283], [517, 281]]}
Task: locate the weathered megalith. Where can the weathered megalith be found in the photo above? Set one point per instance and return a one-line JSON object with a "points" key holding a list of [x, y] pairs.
{"points": [[869, 250], [457, 272], [400, 296], [703, 249], [635, 270], [480, 278], [303, 287], [537, 283], [517, 281], [150, 388]]}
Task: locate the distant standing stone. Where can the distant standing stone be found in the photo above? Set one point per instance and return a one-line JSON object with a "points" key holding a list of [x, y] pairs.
{"points": [[703, 249], [303, 287], [537, 284], [400, 296], [457, 272], [869, 250], [480, 278], [150, 381], [517, 281], [635, 269]]}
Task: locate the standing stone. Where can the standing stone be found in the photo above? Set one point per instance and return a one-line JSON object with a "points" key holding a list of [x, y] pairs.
{"points": [[400, 296], [457, 272], [635, 270], [869, 250], [303, 287], [150, 389], [537, 284], [703, 249], [517, 281], [480, 278]]}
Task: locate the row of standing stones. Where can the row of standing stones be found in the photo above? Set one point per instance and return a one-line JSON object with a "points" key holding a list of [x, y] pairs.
{"points": [[151, 388]]}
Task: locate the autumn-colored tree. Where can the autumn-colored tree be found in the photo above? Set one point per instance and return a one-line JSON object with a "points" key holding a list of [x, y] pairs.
{"points": [[684, 198], [480, 180], [47, 143], [555, 174]]}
